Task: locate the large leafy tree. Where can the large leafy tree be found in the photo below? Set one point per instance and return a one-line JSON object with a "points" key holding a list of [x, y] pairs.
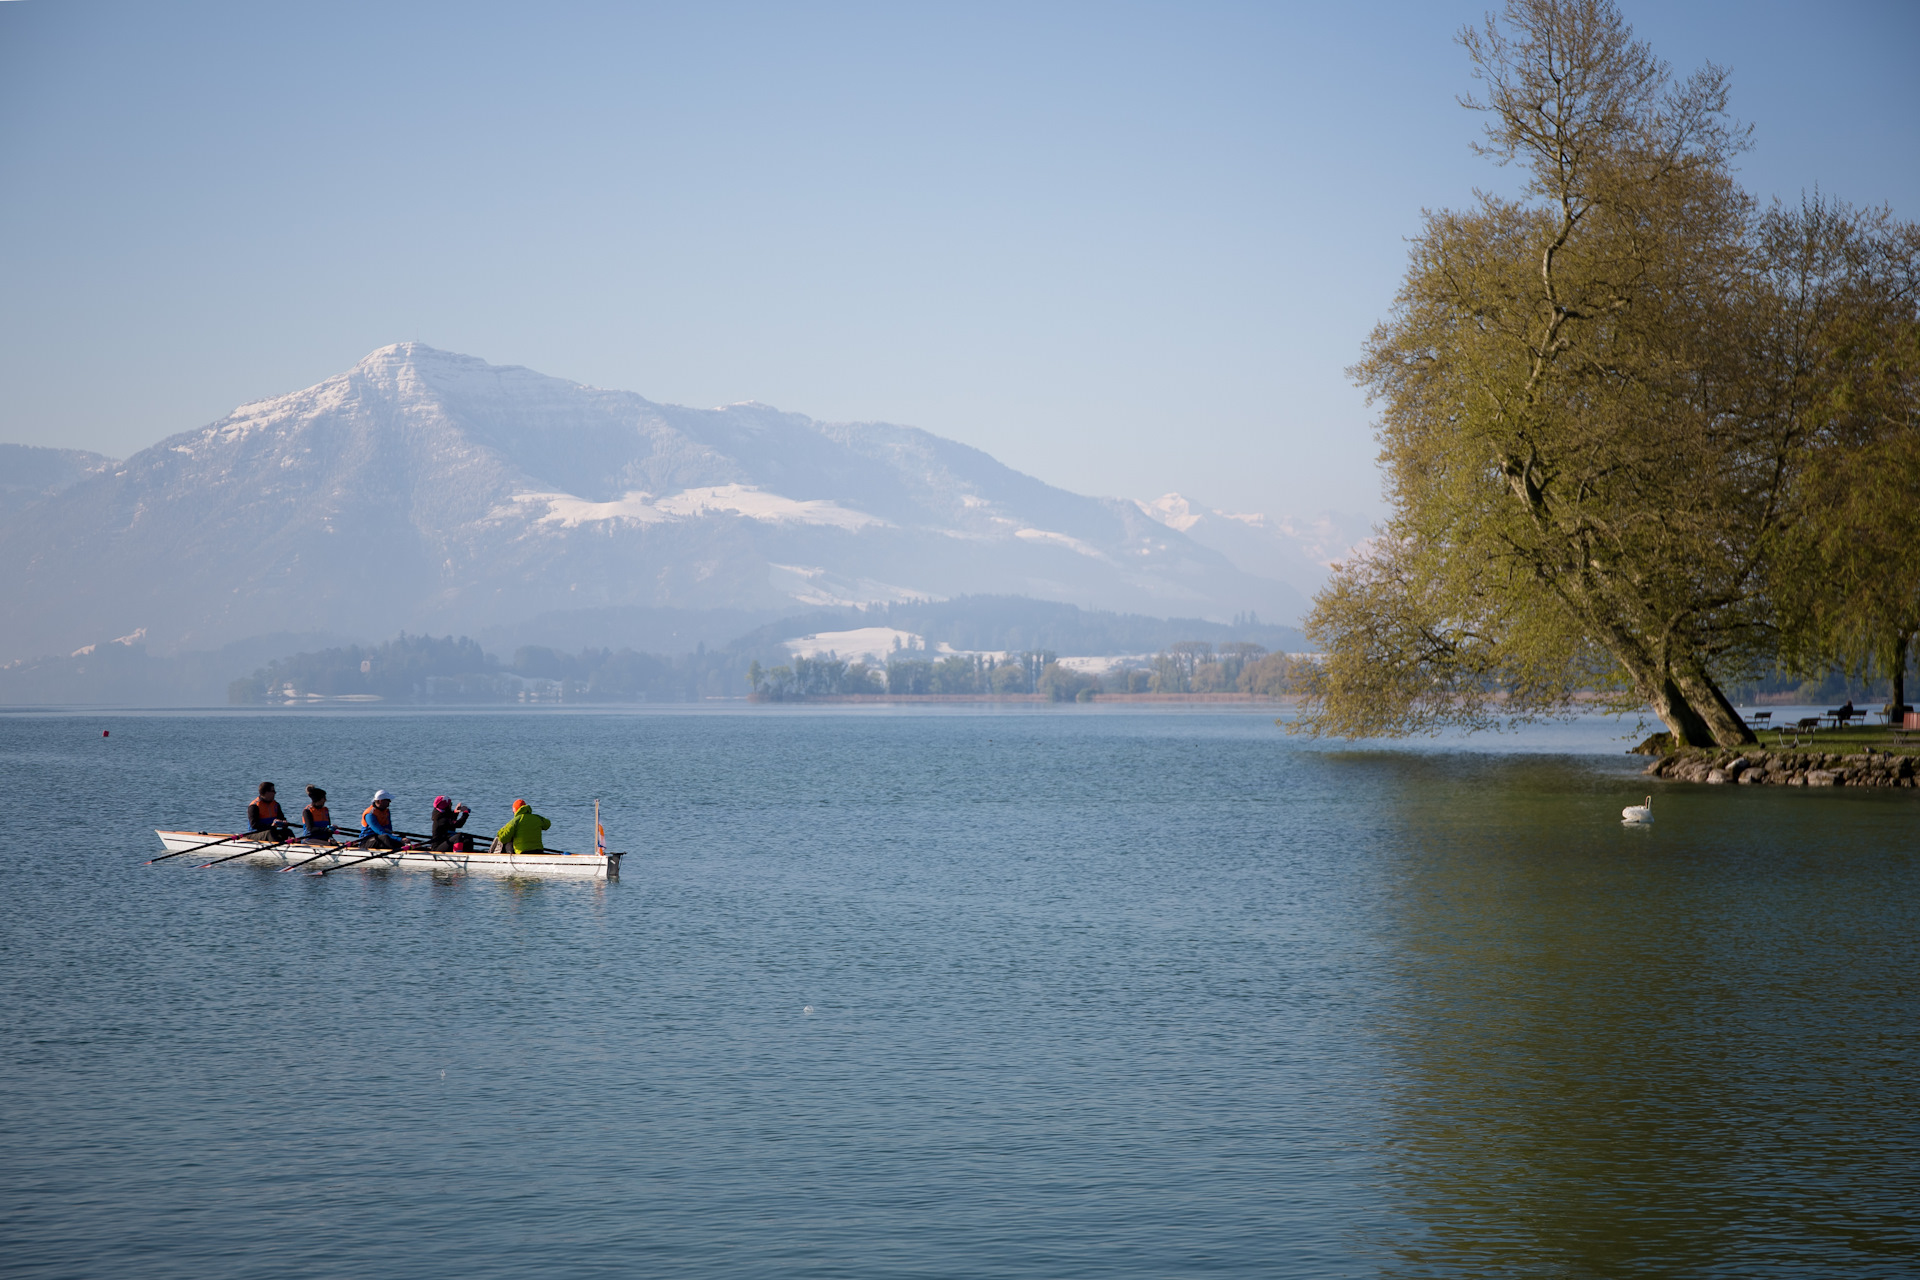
{"points": [[1589, 436], [1845, 570]]}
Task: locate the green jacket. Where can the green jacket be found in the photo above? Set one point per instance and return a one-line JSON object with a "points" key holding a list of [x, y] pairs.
{"points": [[526, 832]]}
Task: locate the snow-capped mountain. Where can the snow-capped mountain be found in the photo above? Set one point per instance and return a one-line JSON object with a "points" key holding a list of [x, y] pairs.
{"points": [[1297, 552], [427, 491]]}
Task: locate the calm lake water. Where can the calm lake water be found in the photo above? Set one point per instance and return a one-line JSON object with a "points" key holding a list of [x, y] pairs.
{"points": [[1024, 993]]}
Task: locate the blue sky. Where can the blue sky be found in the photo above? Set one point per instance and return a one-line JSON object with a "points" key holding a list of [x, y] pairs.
{"points": [[1127, 248]]}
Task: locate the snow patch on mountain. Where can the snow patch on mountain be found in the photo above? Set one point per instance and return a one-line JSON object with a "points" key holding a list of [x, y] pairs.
{"points": [[1101, 664], [1171, 510], [877, 645], [862, 644], [814, 585], [1299, 552], [1064, 540], [641, 507]]}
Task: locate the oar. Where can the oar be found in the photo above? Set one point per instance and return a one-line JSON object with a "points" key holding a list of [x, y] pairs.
{"points": [[416, 835], [242, 854], [332, 848], [426, 843], [377, 853], [244, 835]]}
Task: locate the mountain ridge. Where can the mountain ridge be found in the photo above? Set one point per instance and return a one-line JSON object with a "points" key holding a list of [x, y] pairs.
{"points": [[432, 491], [29, 473]]}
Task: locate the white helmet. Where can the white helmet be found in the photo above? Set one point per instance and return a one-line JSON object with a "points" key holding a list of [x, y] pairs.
{"points": [[378, 796]]}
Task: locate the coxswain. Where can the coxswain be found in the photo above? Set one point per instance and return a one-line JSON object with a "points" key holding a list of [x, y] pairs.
{"points": [[376, 823], [316, 818], [525, 832], [448, 818], [264, 816]]}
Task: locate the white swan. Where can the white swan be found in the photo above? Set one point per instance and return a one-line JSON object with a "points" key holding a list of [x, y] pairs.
{"points": [[1638, 812]]}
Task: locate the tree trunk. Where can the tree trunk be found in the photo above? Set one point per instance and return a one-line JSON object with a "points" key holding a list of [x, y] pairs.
{"points": [[1688, 727], [1725, 724], [1900, 671], [1656, 682]]}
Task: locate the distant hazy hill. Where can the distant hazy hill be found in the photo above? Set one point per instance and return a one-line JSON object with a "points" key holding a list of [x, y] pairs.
{"points": [[28, 474], [660, 665], [121, 672], [433, 492]]}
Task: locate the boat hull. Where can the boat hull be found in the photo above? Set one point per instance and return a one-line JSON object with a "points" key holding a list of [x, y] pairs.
{"points": [[479, 863]]}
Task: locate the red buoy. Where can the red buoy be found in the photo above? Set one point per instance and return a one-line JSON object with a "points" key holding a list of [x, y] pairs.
{"points": [[103, 733]]}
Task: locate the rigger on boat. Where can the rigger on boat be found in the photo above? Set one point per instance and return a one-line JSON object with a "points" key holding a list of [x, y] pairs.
{"points": [[377, 845]]}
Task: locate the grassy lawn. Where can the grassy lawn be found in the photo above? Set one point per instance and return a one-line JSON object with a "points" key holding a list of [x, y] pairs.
{"points": [[1847, 741]]}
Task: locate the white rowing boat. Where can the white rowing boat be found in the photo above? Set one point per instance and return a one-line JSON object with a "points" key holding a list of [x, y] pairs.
{"points": [[590, 866]]}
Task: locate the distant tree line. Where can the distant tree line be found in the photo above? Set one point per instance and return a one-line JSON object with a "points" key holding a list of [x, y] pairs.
{"points": [[1834, 685], [1188, 666], [428, 669], [1194, 666], [959, 674]]}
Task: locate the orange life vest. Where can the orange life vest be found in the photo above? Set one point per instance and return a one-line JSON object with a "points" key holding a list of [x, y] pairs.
{"points": [[267, 808], [372, 822]]}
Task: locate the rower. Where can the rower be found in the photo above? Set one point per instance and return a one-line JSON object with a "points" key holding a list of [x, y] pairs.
{"points": [[316, 817], [525, 832], [376, 823], [264, 816], [448, 818]]}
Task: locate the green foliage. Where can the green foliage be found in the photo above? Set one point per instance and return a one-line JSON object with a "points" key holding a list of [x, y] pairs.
{"points": [[963, 674], [819, 677], [958, 673], [403, 669], [1192, 666], [1846, 568], [1063, 684], [1269, 676], [909, 676], [1595, 406]]}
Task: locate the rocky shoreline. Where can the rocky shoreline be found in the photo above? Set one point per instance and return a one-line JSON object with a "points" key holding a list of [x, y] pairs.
{"points": [[1787, 768]]}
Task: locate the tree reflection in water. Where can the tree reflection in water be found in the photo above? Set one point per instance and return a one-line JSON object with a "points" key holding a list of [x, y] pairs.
{"points": [[1683, 1050]]}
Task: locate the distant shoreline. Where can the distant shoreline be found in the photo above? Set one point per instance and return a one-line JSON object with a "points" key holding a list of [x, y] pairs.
{"points": [[1285, 699], [739, 703]]}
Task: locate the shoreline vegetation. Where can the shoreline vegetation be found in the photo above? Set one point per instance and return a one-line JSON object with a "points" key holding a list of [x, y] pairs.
{"points": [[448, 670], [1274, 699], [1640, 432]]}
